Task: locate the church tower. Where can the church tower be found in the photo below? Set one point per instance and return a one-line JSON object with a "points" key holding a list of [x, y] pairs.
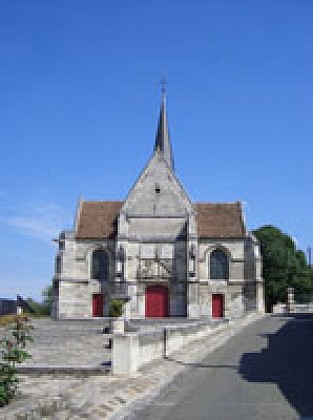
{"points": [[156, 228]]}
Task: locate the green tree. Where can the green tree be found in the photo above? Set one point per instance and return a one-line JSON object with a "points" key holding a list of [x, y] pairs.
{"points": [[283, 266], [37, 308], [48, 298], [42, 308]]}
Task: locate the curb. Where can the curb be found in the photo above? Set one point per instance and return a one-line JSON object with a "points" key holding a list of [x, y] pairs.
{"points": [[64, 370]]}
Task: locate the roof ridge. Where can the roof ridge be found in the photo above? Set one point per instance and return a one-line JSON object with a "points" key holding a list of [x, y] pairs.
{"points": [[218, 202], [104, 201]]}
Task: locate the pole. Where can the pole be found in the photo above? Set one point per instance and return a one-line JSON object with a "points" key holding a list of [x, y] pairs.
{"points": [[164, 343], [309, 252]]}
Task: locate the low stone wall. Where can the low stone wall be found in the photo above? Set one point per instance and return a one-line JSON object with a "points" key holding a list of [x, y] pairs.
{"points": [[132, 350], [281, 308]]}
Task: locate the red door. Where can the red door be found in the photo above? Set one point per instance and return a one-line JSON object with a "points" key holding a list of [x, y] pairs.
{"points": [[156, 302], [217, 306], [97, 304]]}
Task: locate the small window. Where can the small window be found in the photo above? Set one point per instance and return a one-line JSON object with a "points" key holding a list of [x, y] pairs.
{"points": [[58, 264], [219, 265], [157, 189], [100, 266]]}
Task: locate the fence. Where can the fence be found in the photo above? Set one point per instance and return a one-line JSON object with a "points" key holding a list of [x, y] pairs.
{"points": [[7, 306]]}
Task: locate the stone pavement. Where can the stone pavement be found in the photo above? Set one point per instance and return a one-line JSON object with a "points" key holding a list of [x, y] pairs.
{"points": [[68, 344], [82, 396]]}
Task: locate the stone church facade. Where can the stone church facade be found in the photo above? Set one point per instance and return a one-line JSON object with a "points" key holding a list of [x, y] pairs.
{"points": [[164, 255]]}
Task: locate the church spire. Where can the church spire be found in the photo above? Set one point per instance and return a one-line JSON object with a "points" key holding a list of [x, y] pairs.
{"points": [[162, 140]]}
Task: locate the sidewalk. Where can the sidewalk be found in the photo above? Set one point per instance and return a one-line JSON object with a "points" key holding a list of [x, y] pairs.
{"points": [[107, 397]]}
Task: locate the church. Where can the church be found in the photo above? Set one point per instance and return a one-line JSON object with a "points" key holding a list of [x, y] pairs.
{"points": [[161, 253]]}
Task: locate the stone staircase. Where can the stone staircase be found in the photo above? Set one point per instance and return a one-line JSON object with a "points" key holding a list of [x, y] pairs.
{"points": [[67, 346]]}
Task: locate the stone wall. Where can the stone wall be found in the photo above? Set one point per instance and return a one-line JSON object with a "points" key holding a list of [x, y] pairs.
{"points": [[74, 299], [146, 241], [73, 284], [133, 350]]}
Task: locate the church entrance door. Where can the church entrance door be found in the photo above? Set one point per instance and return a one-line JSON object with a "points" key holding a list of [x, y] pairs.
{"points": [[217, 305], [97, 304], [157, 302]]}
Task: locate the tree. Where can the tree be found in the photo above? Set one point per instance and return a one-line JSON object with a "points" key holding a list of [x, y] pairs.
{"points": [[48, 297], [283, 266], [42, 308]]}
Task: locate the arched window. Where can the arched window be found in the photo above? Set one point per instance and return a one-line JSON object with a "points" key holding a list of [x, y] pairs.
{"points": [[99, 265], [219, 265]]}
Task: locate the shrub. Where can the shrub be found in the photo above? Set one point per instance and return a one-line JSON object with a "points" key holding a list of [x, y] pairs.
{"points": [[116, 308], [13, 352]]}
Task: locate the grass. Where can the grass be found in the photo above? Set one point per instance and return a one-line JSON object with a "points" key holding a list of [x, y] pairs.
{"points": [[6, 320], [9, 319]]}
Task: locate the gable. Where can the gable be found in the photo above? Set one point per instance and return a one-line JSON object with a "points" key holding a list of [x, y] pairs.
{"points": [[157, 192]]}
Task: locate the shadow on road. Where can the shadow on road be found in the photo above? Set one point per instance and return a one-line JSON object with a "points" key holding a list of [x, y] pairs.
{"points": [[287, 361], [200, 364]]}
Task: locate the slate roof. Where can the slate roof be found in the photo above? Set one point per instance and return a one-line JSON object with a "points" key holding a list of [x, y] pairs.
{"points": [[98, 220]]}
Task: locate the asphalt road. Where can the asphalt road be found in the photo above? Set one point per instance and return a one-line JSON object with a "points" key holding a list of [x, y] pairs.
{"points": [[264, 372]]}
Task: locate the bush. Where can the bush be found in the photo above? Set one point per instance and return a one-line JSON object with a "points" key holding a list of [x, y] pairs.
{"points": [[13, 352], [38, 309], [116, 308]]}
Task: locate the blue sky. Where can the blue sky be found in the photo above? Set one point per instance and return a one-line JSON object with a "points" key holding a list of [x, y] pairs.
{"points": [[79, 102]]}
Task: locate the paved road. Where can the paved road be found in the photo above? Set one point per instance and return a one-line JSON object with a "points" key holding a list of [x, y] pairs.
{"points": [[265, 372]]}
